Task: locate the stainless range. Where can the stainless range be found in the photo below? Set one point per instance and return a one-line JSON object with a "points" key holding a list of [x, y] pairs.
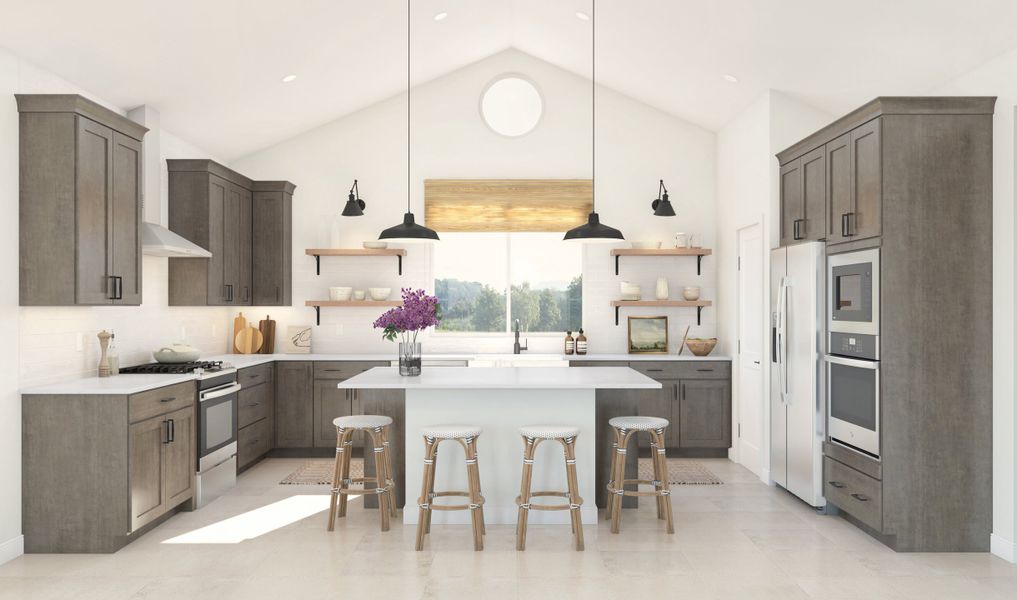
{"points": [[217, 423]]}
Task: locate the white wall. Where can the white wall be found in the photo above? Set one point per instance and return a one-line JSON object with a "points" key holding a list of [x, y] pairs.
{"points": [[636, 146], [997, 78], [44, 342], [748, 188]]}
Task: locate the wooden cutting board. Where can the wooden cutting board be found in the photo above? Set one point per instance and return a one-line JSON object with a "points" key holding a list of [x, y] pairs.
{"points": [[267, 328], [239, 324], [248, 341]]}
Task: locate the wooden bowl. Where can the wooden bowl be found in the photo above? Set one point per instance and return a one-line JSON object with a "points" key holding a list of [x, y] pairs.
{"points": [[701, 347]]}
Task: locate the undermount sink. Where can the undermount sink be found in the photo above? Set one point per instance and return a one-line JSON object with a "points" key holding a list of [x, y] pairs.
{"points": [[518, 360]]}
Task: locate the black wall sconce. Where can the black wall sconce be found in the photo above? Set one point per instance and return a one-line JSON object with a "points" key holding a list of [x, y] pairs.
{"points": [[662, 205], [354, 205]]}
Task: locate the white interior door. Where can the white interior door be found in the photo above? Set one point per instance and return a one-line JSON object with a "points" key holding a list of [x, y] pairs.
{"points": [[751, 325]]}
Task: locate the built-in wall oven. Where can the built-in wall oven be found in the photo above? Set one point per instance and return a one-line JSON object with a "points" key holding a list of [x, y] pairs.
{"points": [[217, 435], [852, 358]]}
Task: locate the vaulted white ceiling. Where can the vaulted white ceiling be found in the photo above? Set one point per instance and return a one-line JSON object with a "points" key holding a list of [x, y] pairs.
{"points": [[213, 67]]}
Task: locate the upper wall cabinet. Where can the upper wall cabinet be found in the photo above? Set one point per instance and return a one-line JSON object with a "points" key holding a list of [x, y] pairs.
{"points": [[80, 203], [220, 210]]}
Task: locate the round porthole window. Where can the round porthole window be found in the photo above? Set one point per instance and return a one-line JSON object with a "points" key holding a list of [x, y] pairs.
{"points": [[511, 106]]}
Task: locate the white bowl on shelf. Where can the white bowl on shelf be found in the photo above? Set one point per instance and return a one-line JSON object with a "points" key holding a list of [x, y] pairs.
{"points": [[339, 294], [645, 245], [375, 245], [379, 293]]}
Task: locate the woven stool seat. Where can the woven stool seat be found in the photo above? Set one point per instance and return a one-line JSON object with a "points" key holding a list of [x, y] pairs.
{"points": [[451, 432], [362, 421], [549, 432], [638, 423]]}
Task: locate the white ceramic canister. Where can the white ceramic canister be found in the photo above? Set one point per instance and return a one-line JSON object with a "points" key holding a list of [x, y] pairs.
{"points": [[662, 292]]}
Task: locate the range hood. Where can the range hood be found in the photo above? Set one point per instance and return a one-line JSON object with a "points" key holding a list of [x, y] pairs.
{"points": [[156, 240]]}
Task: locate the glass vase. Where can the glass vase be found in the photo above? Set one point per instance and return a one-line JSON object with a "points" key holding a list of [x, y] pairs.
{"points": [[409, 358]]}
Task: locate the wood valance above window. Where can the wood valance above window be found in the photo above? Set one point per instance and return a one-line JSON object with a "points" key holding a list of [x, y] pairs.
{"points": [[506, 204]]}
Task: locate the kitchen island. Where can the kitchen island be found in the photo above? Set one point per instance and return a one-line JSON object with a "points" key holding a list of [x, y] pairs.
{"points": [[500, 400]]}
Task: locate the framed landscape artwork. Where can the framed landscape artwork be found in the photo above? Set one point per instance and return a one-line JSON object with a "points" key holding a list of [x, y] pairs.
{"points": [[647, 335]]}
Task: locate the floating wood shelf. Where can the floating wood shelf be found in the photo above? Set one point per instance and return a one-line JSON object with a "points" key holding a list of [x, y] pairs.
{"points": [[318, 304], [699, 253], [317, 253], [697, 304]]}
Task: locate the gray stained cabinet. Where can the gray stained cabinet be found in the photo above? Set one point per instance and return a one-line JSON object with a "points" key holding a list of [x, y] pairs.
{"points": [[703, 418], [294, 405], [162, 459], [255, 414], [225, 212], [80, 203], [330, 402], [912, 176], [272, 255], [803, 199], [99, 469]]}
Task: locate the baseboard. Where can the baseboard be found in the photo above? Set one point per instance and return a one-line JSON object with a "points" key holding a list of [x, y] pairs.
{"points": [[12, 549], [1003, 548], [765, 477]]}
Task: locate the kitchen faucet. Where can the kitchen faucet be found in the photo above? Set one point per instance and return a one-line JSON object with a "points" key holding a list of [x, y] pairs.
{"points": [[516, 348]]}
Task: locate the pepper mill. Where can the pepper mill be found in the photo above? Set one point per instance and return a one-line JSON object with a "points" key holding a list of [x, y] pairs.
{"points": [[104, 368]]}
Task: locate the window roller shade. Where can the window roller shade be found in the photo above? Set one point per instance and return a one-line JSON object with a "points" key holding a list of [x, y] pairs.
{"points": [[550, 205]]}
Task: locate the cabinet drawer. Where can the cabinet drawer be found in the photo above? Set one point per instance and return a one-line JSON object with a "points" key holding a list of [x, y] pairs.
{"points": [[160, 401], [254, 404], [333, 369], [252, 376], [673, 369], [854, 492], [253, 442]]}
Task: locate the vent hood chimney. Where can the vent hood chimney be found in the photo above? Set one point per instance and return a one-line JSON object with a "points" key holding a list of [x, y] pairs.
{"points": [[156, 240]]}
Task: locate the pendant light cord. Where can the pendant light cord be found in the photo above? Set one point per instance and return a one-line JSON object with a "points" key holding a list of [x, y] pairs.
{"points": [[593, 90], [408, 188]]}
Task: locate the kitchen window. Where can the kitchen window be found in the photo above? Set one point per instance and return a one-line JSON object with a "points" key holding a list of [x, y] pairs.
{"points": [[485, 281]]}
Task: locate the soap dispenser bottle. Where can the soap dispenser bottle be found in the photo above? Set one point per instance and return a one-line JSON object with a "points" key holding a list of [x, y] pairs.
{"points": [[581, 342], [570, 344]]}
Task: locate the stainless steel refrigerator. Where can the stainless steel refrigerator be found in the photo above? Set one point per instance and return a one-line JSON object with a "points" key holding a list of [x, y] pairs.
{"points": [[797, 395]]}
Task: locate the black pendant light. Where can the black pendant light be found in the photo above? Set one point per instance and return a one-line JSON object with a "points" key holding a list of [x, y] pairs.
{"points": [[354, 205], [408, 230], [593, 230], [662, 205]]}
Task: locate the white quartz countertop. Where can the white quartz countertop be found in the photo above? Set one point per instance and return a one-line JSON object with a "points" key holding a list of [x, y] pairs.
{"points": [[133, 384], [501, 378]]}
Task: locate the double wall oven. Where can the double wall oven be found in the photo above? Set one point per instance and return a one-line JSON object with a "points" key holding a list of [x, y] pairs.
{"points": [[852, 358]]}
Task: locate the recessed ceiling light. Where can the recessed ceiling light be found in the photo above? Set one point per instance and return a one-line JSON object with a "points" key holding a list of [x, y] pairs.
{"points": [[289, 78], [730, 79], [582, 16], [440, 16]]}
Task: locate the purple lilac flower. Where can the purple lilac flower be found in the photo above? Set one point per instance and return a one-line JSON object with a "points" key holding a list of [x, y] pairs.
{"points": [[418, 312]]}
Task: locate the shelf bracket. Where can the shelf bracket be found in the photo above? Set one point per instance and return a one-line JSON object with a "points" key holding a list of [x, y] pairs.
{"points": [[616, 257], [400, 257], [317, 264], [699, 264], [616, 313], [317, 315], [699, 315]]}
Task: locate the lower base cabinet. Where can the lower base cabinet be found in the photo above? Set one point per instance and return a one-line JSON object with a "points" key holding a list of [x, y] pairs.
{"points": [[100, 469], [294, 405], [255, 414], [703, 414]]}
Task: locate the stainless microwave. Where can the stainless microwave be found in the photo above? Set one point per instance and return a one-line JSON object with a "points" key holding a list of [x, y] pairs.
{"points": [[853, 292]]}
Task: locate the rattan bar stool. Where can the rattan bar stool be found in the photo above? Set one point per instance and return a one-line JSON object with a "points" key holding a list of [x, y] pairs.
{"points": [[533, 435], [624, 429], [466, 436], [376, 427]]}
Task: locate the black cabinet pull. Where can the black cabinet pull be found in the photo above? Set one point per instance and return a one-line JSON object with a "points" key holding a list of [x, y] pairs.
{"points": [[705, 370], [683, 392], [167, 440], [847, 224], [798, 229], [655, 370], [168, 399], [172, 431], [860, 497], [116, 287], [836, 484]]}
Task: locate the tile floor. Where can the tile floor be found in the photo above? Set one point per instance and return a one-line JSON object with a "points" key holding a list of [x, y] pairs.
{"points": [[739, 540]]}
